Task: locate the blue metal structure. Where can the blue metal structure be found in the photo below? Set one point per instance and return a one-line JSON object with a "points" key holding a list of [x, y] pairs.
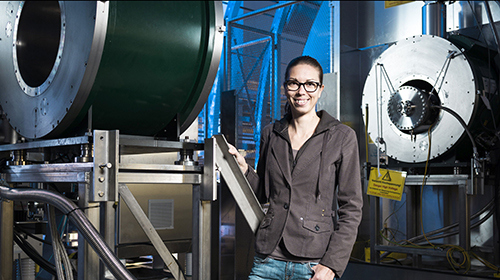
{"points": [[259, 37]]}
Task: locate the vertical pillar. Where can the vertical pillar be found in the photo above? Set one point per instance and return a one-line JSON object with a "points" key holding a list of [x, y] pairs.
{"points": [[434, 19], [88, 260], [108, 228], [108, 221], [6, 240], [201, 236], [463, 215], [374, 228]]}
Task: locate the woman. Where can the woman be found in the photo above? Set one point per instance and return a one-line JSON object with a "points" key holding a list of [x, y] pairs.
{"points": [[308, 171]]}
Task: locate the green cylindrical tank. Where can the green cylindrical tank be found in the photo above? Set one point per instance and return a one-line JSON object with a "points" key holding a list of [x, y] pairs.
{"points": [[127, 65]]}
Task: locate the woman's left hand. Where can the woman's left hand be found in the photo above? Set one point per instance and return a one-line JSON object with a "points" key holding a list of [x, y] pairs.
{"points": [[322, 272]]}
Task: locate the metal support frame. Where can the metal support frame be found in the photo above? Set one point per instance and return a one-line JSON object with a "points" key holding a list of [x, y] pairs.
{"points": [[465, 188], [98, 191], [99, 208]]}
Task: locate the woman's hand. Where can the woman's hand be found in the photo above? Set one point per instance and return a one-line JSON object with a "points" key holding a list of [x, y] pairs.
{"points": [[239, 158], [322, 272]]}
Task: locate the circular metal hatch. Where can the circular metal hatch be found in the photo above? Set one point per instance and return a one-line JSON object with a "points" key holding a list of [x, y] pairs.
{"points": [[397, 91]]}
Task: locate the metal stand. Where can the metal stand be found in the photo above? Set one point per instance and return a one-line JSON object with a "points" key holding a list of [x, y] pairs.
{"points": [[101, 181], [464, 185]]}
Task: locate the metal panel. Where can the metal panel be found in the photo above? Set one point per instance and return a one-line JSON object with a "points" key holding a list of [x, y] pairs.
{"points": [[160, 167], [46, 143], [238, 184], [158, 178], [41, 173], [129, 233], [54, 177], [50, 168], [140, 144], [148, 228], [105, 166], [329, 99], [209, 186]]}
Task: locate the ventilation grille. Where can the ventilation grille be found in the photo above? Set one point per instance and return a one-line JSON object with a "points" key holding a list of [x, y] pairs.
{"points": [[161, 213]]}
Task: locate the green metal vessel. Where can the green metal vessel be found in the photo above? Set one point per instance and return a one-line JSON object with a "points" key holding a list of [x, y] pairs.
{"points": [[127, 65]]}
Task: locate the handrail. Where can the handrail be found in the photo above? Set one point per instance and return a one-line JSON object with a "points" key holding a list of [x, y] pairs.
{"points": [[238, 184]]}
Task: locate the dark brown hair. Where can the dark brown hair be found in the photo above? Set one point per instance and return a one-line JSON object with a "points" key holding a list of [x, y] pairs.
{"points": [[307, 60]]}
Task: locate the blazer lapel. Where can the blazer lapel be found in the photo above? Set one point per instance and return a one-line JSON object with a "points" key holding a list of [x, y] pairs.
{"points": [[311, 153], [281, 155]]}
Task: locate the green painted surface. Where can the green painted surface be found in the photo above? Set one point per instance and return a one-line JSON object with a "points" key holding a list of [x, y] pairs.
{"points": [[155, 62]]}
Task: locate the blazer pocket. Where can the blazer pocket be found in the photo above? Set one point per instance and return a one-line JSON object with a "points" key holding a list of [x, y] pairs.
{"points": [[317, 227], [266, 222]]}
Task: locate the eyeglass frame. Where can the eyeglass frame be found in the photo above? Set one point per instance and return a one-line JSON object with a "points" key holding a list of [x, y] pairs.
{"points": [[303, 85]]}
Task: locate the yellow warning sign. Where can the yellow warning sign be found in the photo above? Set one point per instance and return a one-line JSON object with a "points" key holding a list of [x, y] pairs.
{"points": [[389, 184]]}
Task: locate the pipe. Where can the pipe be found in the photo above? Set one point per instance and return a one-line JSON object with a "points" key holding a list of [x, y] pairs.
{"points": [[85, 227], [434, 18]]}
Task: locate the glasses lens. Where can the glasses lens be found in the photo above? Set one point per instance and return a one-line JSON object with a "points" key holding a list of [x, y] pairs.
{"points": [[292, 85], [308, 86], [311, 86]]}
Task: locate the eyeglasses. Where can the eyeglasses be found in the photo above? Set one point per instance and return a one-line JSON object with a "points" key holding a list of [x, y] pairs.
{"points": [[309, 86]]}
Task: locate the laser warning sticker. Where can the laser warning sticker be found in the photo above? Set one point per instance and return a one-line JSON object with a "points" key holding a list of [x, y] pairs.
{"points": [[389, 184]]}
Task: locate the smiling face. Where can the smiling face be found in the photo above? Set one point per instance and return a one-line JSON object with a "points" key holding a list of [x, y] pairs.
{"points": [[301, 101]]}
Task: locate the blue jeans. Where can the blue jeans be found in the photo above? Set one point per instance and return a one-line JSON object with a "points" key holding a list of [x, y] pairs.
{"points": [[269, 268]]}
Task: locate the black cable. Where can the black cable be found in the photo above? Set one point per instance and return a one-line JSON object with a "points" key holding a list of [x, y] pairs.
{"points": [[21, 229], [460, 120], [488, 206], [431, 234], [24, 231], [81, 208], [33, 254], [393, 260], [475, 225]]}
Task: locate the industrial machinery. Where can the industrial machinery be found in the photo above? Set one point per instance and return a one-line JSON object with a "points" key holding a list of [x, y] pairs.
{"points": [[95, 98], [65, 58], [430, 106], [414, 86]]}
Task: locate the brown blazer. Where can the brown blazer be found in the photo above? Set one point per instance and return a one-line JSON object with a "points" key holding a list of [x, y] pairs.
{"points": [[303, 202]]}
